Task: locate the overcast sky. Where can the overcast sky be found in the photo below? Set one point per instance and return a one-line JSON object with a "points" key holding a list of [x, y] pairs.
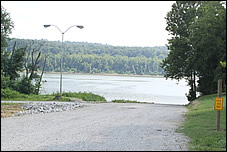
{"points": [[118, 23]]}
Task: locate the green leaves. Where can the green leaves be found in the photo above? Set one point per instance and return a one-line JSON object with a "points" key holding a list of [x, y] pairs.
{"points": [[209, 42], [223, 64], [198, 43], [98, 58], [6, 24]]}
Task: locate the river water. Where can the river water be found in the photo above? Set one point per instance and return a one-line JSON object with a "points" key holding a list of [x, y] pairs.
{"points": [[143, 89]]}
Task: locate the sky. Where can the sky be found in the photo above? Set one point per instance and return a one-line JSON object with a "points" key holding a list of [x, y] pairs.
{"points": [[117, 23]]}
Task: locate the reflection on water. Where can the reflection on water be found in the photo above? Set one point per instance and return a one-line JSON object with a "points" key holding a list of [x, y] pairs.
{"points": [[144, 89]]}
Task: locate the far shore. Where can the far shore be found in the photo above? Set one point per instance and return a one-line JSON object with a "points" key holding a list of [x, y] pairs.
{"points": [[107, 74], [104, 74]]}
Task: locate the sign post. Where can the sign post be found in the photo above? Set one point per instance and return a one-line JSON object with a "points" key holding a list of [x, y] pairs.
{"points": [[218, 104]]}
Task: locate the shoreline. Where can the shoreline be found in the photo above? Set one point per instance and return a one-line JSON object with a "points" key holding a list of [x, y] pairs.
{"points": [[108, 74]]}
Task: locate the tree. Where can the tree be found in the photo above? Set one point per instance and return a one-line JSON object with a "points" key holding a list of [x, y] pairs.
{"points": [[198, 44], [208, 38], [6, 28], [180, 61], [11, 61], [31, 66], [14, 62], [38, 83]]}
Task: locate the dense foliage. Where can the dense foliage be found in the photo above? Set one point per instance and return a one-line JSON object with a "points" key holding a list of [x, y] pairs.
{"points": [[6, 27], [83, 57], [11, 61], [197, 46], [16, 60]]}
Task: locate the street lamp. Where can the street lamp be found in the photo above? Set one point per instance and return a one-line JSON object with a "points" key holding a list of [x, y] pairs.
{"points": [[48, 25]]}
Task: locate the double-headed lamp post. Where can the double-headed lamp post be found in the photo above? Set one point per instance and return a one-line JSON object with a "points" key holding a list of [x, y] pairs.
{"points": [[79, 26]]}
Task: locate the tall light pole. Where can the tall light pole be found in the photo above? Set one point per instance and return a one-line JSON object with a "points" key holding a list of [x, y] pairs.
{"points": [[48, 25]]}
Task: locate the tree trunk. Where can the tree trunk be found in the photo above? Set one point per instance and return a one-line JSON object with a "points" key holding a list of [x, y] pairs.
{"points": [[194, 82], [40, 80]]}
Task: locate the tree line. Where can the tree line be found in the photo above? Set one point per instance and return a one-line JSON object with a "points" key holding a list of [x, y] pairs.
{"points": [[86, 57]]}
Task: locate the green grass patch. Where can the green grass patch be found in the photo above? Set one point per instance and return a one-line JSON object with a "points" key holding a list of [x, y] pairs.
{"points": [[200, 125], [11, 95], [8, 93], [84, 96]]}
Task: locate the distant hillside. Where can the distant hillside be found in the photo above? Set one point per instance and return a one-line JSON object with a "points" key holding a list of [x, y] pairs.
{"points": [[98, 58]]}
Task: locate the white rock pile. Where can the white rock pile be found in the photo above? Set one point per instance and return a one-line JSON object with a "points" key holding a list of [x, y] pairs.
{"points": [[35, 108]]}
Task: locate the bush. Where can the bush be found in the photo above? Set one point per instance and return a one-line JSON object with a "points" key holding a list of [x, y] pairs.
{"points": [[4, 82], [84, 96], [25, 86], [7, 83], [8, 93]]}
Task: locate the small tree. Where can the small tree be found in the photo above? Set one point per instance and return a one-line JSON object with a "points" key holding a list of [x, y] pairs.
{"points": [[31, 66], [6, 28]]}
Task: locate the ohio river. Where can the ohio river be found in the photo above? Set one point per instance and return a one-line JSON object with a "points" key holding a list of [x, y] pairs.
{"points": [[143, 89]]}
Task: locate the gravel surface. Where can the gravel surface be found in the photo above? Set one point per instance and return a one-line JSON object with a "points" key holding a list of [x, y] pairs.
{"points": [[95, 127], [36, 108]]}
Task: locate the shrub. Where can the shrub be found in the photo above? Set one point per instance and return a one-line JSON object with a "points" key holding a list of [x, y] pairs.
{"points": [[7, 83], [84, 96], [8, 93], [25, 86]]}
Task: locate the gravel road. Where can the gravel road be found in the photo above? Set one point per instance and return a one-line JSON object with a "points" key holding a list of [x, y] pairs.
{"points": [[95, 127]]}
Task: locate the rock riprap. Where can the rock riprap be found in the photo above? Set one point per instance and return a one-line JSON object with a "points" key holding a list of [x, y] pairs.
{"points": [[35, 108]]}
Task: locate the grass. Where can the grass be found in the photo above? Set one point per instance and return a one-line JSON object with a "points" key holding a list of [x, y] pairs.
{"points": [[8, 109], [200, 125], [84, 96], [11, 95], [31, 97], [8, 94]]}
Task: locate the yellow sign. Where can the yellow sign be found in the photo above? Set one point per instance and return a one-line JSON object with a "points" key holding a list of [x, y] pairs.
{"points": [[218, 105]]}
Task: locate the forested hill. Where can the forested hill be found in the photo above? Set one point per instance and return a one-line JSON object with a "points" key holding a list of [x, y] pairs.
{"points": [[97, 58]]}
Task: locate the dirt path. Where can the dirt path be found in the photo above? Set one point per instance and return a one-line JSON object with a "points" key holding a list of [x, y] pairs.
{"points": [[106, 126]]}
